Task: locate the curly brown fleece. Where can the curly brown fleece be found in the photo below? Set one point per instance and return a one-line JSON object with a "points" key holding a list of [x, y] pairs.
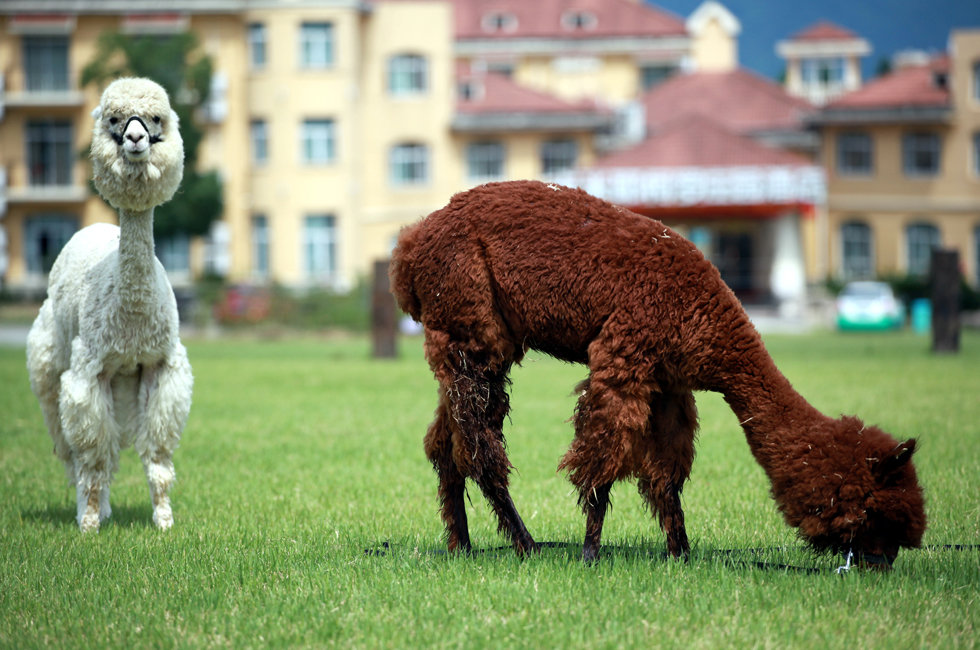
{"points": [[508, 267]]}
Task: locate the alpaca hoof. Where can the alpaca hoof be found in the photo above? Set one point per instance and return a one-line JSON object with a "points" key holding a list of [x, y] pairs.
{"points": [[89, 523], [163, 518]]}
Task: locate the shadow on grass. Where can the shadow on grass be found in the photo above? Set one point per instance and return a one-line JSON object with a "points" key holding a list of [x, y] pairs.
{"points": [[123, 516], [771, 559]]}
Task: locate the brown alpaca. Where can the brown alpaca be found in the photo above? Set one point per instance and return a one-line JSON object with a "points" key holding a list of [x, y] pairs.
{"points": [[510, 266]]}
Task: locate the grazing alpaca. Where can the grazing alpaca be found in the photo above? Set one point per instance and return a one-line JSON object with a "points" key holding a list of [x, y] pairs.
{"points": [[510, 266], [104, 355]]}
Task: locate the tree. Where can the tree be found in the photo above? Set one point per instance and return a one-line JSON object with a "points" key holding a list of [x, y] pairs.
{"points": [[174, 63]]}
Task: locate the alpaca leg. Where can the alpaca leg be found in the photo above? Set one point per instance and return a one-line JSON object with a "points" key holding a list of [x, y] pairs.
{"points": [[439, 450], [665, 464], [610, 416], [91, 434], [479, 406], [473, 380], [165, 394], [595, 513], [45, 366]]}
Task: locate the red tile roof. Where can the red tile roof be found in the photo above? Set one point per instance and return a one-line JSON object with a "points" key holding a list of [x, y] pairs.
{"points": [[497, 93], [739, 100], [699, 141], [543, 19], [909, 86], [824, 31]]}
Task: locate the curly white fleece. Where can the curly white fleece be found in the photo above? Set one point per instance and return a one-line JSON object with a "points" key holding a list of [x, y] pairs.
{"points": [[104, 355]]}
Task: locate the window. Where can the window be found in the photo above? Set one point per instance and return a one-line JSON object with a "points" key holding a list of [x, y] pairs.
{"points": [[976, 154], [920, 154], [316, 45], [822, 72], [856, 262], [485, 161], [44, 237], [45, 62], [976, 81], [257, 45], [409, 164], [49, 152], [259, 133], [976, 253], [174, 253], [319, 142], [920, 239], [578, 20], [260, 246], [320, 247], [558, 155], [854, 154], [499, 22], [407, 74], [655, 74]]}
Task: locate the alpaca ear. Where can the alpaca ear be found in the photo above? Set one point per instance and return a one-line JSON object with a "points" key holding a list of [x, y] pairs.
{"points": [[895, 459], [97, 112]]}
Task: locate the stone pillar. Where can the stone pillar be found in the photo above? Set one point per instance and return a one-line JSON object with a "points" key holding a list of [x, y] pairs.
{"points": [[944, 287], [384, 314], [787, 278]]}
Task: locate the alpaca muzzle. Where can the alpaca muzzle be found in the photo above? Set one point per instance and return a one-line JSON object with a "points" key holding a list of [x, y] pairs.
{"points": [[136, 139]]}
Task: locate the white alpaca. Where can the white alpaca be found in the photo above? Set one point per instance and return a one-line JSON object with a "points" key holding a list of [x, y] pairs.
{"points": [[104, 355]]}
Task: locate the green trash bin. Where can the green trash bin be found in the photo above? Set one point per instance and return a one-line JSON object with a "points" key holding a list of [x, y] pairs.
{"points": [[921, 315]]}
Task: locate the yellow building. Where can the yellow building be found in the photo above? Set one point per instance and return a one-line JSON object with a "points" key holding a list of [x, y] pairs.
{"points": [[333, 123], [902, 156]]}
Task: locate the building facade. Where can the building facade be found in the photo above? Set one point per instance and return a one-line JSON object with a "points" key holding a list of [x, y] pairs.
{"points": [[902, 156]]}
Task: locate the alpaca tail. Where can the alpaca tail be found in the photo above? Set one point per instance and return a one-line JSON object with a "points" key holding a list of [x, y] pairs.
{"points": [[401, 272]]}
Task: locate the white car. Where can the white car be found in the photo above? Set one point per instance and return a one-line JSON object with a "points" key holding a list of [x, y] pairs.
{"points": [[869, 306]]}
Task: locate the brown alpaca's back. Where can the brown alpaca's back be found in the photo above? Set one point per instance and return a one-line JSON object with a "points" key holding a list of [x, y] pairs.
{"points": [[552, 264]]}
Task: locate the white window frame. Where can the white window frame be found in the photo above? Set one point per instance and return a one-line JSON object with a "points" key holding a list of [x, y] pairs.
{"points": [[482, 157], [259, 137], [320, 248], [857, 267], [410, 157], [850, 145], [916, 145], [408, 75], [921, 237], [258, 46], [318, 144], [316, 45]]}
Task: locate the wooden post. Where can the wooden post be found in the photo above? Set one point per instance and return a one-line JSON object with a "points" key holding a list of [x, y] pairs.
{"points": [[384, 314], [944, 286]]}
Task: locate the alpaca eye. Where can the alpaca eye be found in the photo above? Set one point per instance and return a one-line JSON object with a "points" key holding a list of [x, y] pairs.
{"points": [[156, 119], [113, 120]]}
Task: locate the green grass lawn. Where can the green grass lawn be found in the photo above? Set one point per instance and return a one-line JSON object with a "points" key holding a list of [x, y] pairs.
{"points": [[300, 455]]}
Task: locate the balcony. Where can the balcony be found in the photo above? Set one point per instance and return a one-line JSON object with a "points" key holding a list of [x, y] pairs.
{"points": [[62, 98], [56, 194]]}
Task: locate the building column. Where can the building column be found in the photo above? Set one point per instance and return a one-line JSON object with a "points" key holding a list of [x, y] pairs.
{"points": [[787, 278]]}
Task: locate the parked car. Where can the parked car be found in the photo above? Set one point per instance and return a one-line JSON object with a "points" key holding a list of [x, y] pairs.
{"points": [[869, 306]]}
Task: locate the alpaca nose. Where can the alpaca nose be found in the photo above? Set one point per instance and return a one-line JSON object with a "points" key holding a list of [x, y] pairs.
{"points": [[137, 139]]}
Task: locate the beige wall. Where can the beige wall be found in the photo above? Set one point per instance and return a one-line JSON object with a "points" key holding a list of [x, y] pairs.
{"points": [[889, 201], [714, 49]]}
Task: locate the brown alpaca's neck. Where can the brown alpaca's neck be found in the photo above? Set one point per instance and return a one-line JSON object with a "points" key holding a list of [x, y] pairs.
{"points": [[770, 411], [137, 277]]}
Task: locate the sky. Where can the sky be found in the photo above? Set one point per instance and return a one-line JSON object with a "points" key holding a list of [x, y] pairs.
{"points": [[888, 25]]}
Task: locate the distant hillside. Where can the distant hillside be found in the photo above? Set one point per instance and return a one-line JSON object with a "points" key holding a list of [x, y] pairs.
{"points": [[888, 25]]}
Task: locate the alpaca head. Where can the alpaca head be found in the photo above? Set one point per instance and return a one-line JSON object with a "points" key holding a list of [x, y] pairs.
{"points": [[137, 152], [856, 490]]}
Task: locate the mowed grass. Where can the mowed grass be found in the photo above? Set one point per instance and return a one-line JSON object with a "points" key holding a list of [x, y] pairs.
{"points": [[301, 455]]}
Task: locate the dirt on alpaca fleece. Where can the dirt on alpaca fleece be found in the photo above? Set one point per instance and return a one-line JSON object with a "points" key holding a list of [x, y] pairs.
{"points": [[507, 267]]}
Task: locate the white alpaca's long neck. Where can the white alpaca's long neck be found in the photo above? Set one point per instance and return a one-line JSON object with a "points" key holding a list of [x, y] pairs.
{"points": [[137, 264]]}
